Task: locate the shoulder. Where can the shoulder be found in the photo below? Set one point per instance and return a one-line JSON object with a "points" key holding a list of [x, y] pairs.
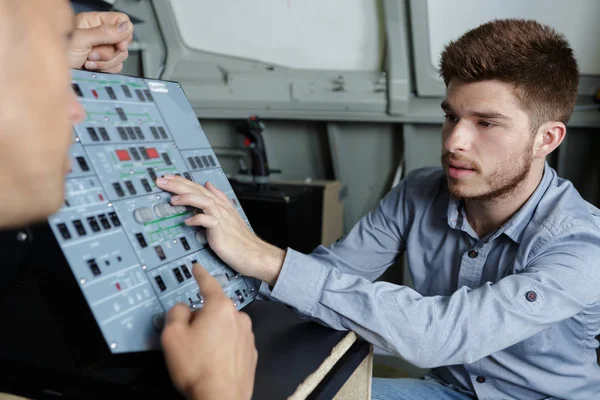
{"points": [[422, 182], [562, 207], [563, 216], [419, 190]]}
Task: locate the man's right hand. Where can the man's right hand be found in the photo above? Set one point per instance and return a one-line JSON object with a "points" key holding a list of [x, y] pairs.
{"points": [[227, 232], [210, 353]]}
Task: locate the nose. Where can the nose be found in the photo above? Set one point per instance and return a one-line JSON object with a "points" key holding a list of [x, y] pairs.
{"points": [[76, 110], [457, 137]]}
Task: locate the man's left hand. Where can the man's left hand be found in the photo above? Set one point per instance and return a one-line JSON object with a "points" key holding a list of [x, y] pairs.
{"points": [[100, 41]]}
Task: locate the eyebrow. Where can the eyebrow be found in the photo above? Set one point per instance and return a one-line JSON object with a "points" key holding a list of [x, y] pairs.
{"points": [[480, 114]]}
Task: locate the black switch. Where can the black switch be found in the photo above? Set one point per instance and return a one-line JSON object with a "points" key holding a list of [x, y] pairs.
{"points": [[64, 231], [82, 163], [186, 271], [114, 219], [94, 267], [160, 253], [79, 228], [93, 224], [140, 95], [104, 221], [141, 240], [126, 90], [118, 189], [162, 132], [121, 114], [205, 161], [104, 134], [178, 275], [166, 159], [139, 133], [130, 132], [93, 134], [111, 93], [240, 297], [184, 243], [148, 95], [130, 188], [146, 185], [152, 174], [160, 283], [144, 153], [154, 132], [188, 176], [134, 153], [122, 133], [199, 162], [212, 161], [192, 163], [77, 89]]}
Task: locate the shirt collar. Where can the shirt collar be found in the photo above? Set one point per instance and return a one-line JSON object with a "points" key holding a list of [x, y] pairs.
{"points": [[515, 226]]}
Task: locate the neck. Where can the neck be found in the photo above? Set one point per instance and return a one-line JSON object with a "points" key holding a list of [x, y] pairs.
{"points": [[487, 216]]}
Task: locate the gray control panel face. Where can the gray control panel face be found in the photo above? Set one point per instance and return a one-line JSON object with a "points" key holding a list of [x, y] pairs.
{"points": [[127, 246]]}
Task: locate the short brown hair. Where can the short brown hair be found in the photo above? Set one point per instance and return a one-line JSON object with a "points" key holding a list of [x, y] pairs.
{"points": [[534, 57]]}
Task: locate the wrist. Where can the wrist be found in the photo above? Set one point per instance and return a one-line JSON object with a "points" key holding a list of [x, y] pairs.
{"points": [[270, 263], [204, 390]]}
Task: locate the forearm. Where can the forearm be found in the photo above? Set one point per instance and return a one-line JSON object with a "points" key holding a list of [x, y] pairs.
{"points": [[427, 331]]}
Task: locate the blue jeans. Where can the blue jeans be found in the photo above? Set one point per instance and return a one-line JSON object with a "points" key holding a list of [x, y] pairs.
{"points": [[413, 389]]}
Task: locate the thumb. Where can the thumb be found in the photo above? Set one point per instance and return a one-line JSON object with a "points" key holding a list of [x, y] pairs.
{"points": [[105, 34]]}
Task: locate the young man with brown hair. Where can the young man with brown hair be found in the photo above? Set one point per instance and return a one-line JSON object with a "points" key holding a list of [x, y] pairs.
{"points": [[504, 254]]}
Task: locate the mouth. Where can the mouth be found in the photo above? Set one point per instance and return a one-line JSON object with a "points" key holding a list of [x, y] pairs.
{"points": [[458, 170]]}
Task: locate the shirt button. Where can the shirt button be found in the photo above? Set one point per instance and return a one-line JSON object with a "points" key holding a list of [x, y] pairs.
{"points": [[531, 296], [21, 237], [473, 253], [480, 379]]}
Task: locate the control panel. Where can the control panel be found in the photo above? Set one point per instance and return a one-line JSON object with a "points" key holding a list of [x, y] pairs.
{"points": [[126, 245]]}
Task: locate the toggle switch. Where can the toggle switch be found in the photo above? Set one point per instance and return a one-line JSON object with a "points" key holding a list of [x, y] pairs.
{"points": [[143, 215], [201, 236], [158, 320], [164, 210]]}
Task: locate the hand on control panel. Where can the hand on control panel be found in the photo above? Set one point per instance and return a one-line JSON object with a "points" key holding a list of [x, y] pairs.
{"points": [[100, 41], [210, 352], [227, 233]]}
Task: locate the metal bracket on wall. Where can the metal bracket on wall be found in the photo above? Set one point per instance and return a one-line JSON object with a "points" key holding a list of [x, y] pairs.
{"points": [[397, 56]]}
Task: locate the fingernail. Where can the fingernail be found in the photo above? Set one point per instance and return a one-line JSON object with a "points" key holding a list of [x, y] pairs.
{"points": [[91, 65], [167, 176], [161, 181], [94, 56], [188, 220], [175, 198], [123, 26]]}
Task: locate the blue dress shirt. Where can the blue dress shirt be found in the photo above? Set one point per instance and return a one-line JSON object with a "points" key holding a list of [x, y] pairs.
{"points": [[510, 315]]}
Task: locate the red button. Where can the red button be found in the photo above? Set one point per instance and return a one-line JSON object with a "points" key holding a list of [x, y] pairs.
{"points": [[152, 153], [123, 155]]}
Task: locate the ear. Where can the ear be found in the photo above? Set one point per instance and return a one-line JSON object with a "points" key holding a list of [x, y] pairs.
{"points": [[548, 137]]}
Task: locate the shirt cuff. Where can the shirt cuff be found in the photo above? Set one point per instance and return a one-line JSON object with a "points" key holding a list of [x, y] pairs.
{"points": [[300, 281]]}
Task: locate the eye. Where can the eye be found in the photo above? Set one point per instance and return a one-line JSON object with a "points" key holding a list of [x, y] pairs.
{"points": [[486, 124], [451, 118]]}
